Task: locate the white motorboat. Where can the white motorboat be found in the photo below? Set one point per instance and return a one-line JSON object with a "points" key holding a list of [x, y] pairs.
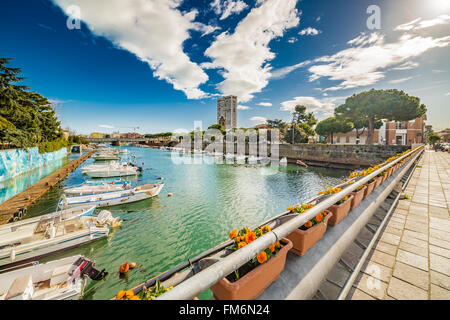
{"points": [[113, 171], [105, 156], [31, 223], [50, 236], [62, 279], [114, 197], [123, 151], [111, 164], [89, 189]]}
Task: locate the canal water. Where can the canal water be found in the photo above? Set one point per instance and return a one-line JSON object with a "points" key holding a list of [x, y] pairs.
{"points": [[208, 201]]}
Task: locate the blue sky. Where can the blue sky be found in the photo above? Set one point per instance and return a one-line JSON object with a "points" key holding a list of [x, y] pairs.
{"points": [[161, 64]]}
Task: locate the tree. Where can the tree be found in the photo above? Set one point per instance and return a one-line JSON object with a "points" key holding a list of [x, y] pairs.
{"points": [[375, 105], [300, 131], [433, 138], [28, 118], [333, 125]]}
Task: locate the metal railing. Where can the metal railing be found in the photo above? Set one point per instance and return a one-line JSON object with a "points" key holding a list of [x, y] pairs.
{"points": [[206, 278]]}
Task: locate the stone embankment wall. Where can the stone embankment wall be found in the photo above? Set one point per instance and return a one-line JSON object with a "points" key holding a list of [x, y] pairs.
{"points": [[346, 155]]}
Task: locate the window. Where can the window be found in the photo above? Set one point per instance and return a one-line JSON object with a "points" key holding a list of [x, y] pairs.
{"points": [[347, 139]]}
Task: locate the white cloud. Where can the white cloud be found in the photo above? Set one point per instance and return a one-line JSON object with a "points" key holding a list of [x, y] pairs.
{"points": [[447, 94], [258, 120], [292, 40], [241, 107], [325, 106], [365, 63], [407, 66], [244, 54], [400, 80], [309, 31], [107, 126], [265, 104], [418, 23], [282, 72], [228, 7], [154, 31]]}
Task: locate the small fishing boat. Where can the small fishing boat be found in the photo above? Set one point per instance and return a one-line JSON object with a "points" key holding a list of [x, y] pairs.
{"points": [[60, 214], [50, 236], [90, 189], [62, 279], [113, 172], [113, 198], [105, 157]]}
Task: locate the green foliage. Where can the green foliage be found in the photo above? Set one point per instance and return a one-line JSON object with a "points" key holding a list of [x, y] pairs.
{"points": [[26, 118], [77, 140], [433, 138], [333, 125], [371, 106], [54, 145]]}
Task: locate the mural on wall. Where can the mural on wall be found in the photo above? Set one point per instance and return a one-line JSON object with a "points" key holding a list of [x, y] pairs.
{"points": [[18, 161]]}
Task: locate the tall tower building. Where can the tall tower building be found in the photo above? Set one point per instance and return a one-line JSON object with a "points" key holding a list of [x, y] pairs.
{"points": [[227, 112]]}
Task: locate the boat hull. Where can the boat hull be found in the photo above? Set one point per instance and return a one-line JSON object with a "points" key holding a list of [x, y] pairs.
{"points": [[39, 249], [114, 198]]}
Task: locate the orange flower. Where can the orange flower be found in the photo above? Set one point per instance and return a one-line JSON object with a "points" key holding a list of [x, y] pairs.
{"points": [[262, 257], [266, 229], [319, 217], [251, 236], [324, 213], [233, 233], [241, 244], [308, 224], [321, 192], [272, 248], [278, 245], [120, 295]]}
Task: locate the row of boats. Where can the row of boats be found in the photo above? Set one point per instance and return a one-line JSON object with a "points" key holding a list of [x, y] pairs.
{"points": [[73, 224]]}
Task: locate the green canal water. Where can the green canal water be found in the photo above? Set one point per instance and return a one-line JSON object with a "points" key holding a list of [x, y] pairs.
{"points": [[208, 201]]}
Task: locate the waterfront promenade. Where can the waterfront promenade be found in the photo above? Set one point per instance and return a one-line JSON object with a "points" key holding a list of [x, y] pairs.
{"points": [[411, 260]]}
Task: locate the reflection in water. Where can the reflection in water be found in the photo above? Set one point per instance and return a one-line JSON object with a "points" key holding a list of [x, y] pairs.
{"points": [[208, 201]]}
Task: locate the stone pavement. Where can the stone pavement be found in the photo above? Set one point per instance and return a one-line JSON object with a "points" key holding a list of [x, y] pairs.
{"points": [[412, 257]]}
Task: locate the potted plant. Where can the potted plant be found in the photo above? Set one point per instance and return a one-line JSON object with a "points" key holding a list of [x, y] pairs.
{"points": [[358, 195], [340, 209], [306, 236], [370, 186], [250, 280]]}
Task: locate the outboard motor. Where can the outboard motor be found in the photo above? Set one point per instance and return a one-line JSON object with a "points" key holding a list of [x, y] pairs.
{"points": [[85, 267]]}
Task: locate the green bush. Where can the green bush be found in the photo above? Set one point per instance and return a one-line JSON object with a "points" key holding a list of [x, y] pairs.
{"points": [[54, 145]]}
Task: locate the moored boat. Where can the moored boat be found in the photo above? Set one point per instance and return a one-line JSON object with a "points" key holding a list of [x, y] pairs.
{"points": [[62, 279], [88, 189], [113, 198], [50, 236], [59, 215]]}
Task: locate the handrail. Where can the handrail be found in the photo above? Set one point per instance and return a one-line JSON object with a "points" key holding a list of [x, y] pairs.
{"points": [[204, 279]]}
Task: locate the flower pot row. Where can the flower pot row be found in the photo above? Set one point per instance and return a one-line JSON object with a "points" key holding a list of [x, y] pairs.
{"points": [[257, 279]]}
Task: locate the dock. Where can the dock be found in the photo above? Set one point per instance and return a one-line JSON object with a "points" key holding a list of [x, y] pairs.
{"points": [[21, 201]]}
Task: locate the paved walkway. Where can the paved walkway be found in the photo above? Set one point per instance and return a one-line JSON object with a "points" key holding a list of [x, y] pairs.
{"points": [[412, 258]]}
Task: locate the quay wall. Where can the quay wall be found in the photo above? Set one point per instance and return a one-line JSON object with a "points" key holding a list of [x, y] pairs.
{"points": [[347, 155], [327, 155], [18, 161]]}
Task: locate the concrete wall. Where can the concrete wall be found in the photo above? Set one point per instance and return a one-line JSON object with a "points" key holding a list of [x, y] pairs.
{"points": [[340, 154], [18, 161]]}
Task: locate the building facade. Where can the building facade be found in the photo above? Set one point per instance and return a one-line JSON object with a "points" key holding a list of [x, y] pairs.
{"points": [[227, 112], [406, 133]]}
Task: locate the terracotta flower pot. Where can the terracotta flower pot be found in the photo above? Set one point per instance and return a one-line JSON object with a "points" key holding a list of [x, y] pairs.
{"points": [[253, 284], [303, 240], [378, 181], [357, 197], [340, 211], [370, 187]]}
